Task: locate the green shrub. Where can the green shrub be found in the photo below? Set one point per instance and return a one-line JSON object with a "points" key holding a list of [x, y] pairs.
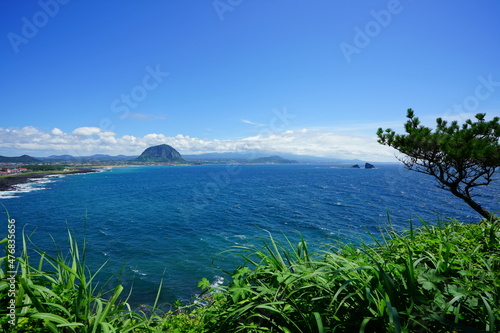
{"points": [[442, 278]]}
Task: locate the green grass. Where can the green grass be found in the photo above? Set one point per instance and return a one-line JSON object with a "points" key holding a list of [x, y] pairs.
{"points": [[43, 169], [53, 167], [441, 277], [58, 294]]}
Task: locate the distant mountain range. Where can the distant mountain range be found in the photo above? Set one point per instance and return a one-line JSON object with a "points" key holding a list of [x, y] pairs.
{"points": [[212, 157], [19, 159], [170, 154], [96, 157], [272, 160], [249, 156]]}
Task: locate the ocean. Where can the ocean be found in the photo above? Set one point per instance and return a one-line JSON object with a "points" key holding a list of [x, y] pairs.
{"points": [[177, 223]]}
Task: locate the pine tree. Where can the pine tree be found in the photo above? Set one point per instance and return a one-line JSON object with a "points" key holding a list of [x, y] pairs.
{"points": [[461, 158]]}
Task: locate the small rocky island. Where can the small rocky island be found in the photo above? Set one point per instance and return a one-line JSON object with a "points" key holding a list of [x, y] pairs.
{"points": [[355, 166]]}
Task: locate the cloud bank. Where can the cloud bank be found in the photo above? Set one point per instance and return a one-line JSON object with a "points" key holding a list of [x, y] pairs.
{"points": [[92, 140]]}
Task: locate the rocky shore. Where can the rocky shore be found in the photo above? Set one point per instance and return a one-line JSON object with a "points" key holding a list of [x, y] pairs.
{"points": [[7, 182]]}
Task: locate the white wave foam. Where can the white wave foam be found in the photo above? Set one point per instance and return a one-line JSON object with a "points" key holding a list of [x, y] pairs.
{"points": [[240, 236], [214, 288], [138, 272], [219, 281], [8, 195], [41, 181], [35, 184], [29, 187]]}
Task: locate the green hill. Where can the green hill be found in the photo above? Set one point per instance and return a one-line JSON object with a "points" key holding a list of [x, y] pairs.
{"points": [[272, 160], [161, 154], [18, 159]]}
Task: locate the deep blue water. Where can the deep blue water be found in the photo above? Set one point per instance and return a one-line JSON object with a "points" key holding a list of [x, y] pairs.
{"points": [[149, 222]]}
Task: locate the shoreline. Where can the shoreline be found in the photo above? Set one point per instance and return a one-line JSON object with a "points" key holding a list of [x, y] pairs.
{"points": [[7, 183]]}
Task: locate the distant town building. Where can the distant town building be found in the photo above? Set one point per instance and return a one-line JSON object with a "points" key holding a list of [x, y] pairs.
{"points": [[9, 171]]}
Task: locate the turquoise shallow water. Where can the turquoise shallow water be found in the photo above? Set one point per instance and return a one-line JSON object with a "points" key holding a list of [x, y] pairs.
{"points": [[172, 222]]}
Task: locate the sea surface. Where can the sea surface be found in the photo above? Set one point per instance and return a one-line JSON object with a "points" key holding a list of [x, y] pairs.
{"points": [[175, 223]]}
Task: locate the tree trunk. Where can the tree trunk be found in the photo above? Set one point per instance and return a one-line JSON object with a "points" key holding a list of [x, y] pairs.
{"points": [[474, 205]]}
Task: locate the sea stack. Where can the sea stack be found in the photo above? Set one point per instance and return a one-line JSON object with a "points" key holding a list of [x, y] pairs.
{"points": [[369, 166]]}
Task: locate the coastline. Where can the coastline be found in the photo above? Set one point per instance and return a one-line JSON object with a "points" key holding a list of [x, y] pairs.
{"points": [[7, 183]]}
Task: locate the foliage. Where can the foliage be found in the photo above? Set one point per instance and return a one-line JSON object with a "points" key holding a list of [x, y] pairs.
{"points": [[438, 278], [58, 294], [41, 167], [461, 158]]}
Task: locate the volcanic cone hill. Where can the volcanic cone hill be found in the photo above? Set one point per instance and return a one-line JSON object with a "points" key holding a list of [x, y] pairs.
{"points": [[161, 154]]}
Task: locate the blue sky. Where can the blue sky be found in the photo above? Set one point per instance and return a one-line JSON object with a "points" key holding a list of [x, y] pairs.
{"points": [[306, 77]]}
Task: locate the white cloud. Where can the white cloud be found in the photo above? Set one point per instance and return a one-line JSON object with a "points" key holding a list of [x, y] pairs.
{"points": [[111, 140], [91, 140], [87, 131], [30, 130], [246, 121], [57, 131]]}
